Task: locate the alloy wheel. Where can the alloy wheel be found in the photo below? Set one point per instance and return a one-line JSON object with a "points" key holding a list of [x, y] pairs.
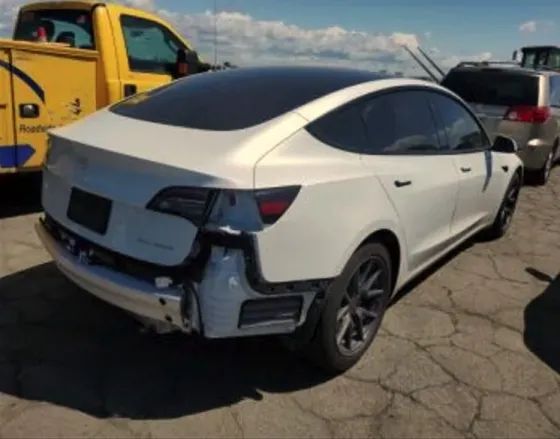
{"points": [[510, 202], [361, 310]]}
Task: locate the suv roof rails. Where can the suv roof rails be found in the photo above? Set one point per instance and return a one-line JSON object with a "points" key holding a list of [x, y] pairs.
{"points": [[486, 64]]}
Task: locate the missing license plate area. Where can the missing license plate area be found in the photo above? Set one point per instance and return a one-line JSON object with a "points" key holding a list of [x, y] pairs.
{"points": [[89, 210]]}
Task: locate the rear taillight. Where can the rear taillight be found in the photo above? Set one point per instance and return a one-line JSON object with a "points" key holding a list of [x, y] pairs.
{"points": [[193, 204], [197, 204], [529, 114], [274, 202]]}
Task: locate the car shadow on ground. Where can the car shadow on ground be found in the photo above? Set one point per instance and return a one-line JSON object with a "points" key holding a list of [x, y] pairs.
{"points": [[20, 195], [61, 345], [542, 321]]}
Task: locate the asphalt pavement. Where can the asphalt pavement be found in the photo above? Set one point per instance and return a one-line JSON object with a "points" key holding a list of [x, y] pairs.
{"points": [[471, 350]]}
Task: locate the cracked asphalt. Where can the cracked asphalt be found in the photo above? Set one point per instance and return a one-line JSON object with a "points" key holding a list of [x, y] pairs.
{"points": [[471, 350]]}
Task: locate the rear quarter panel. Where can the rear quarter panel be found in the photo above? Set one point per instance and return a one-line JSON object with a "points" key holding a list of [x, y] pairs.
{"points": [[339, 205]]}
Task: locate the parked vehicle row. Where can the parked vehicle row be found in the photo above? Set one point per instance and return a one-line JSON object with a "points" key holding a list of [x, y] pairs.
{"points": [[202, 206]]}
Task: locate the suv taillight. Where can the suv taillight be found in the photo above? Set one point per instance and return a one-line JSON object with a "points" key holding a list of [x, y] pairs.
{"points": [[194, 204], [529, 114]]}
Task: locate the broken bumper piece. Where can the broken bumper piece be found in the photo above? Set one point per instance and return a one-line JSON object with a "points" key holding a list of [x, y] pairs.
{"points": [[221, 304]]}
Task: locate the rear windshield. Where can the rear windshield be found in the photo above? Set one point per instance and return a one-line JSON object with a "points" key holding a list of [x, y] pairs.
{"points": [[70, 26], [493, 88], [237, 99]]}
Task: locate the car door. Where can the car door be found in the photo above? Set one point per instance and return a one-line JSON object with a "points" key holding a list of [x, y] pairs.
{"points": [[151, 52], [480, 178], [418, 176]]}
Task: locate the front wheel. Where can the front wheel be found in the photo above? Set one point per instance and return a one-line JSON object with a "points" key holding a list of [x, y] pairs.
{"points": [[507, 208], [355, 304]]}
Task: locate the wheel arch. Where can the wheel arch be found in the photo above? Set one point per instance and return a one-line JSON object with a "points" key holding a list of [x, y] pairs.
{"points": [[391, 241]]}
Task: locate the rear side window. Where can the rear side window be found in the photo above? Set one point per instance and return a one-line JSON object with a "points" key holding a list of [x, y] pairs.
{"points": [[499, 87], [555, 91], [401, 122], [343, 129], [70, 26]]}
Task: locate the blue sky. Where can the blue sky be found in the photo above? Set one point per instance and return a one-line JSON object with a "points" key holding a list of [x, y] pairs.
{"points": [[362, 33], [462, 28]]}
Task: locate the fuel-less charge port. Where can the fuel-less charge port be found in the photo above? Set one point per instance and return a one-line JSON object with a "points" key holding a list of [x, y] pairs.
{"points": [[273, 310]]}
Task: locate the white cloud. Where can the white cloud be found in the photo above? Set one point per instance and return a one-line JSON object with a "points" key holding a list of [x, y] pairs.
{"points": [[533, 26], [528, 26], [245, 40]]}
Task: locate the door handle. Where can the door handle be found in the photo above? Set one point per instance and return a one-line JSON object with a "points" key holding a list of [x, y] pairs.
{"points": [[401, 183], [505, 168], [465, 169], [130, 89], [29, 111]]}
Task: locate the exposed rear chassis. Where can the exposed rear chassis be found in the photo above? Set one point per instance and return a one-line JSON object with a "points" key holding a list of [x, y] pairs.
{"points": [[218, 293]]}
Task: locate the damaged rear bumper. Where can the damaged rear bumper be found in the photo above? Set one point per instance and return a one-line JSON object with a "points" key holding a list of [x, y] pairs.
{"points": [[214, 296]]}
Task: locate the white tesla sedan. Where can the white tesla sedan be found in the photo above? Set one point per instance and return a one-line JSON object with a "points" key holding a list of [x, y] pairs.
{"points": [[274, 200]]}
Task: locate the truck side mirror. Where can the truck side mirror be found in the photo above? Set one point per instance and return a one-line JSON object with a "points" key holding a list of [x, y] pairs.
{"points": [[514, 56], [186, 63]]}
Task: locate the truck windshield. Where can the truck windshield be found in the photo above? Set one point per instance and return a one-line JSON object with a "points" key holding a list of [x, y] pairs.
{"points": [[493, 87], [69, 26], [534, 58]]}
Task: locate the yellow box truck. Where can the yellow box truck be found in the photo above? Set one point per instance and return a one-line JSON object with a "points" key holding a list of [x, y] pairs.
{"points": [[70, 58]]}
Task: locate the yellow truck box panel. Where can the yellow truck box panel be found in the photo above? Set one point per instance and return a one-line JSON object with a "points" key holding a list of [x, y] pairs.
{"points": [[59, 83], [7, 140]]}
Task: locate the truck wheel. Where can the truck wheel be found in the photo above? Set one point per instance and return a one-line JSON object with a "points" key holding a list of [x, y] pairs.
{"points": [[355, 304]]}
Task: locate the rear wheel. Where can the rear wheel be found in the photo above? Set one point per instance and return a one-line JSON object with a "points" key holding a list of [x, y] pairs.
{"points": [[355, 304], [541, 176]]}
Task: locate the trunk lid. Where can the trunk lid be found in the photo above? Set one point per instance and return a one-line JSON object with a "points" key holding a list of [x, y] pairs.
{"points": [[128, 162]]}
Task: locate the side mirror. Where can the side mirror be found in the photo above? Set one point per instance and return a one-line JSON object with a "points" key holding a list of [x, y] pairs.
{"points": [[187, 63], [514, 56], [504, 144]]}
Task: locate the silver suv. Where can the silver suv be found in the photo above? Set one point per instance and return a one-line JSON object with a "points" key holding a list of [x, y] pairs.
{"points": [[520, 103]]}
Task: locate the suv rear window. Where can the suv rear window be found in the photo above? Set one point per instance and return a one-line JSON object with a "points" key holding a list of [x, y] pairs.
{"points": [[238, 99], [494, 87]]}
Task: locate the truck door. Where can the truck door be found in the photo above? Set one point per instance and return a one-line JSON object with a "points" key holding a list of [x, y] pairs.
{"points": [[7, 141], [150, 50]]}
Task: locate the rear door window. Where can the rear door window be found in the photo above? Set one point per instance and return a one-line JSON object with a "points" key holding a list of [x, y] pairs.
{"points": [[401, 123], [70, 26], [497, 87]]}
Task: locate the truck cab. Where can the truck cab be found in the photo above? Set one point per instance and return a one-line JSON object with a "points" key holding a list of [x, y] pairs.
{"points": [[534, 57], [69, 59]]}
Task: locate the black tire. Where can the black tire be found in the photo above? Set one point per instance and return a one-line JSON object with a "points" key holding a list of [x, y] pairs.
{"points": [[501, 225], [323, 349], [541, 176]]}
